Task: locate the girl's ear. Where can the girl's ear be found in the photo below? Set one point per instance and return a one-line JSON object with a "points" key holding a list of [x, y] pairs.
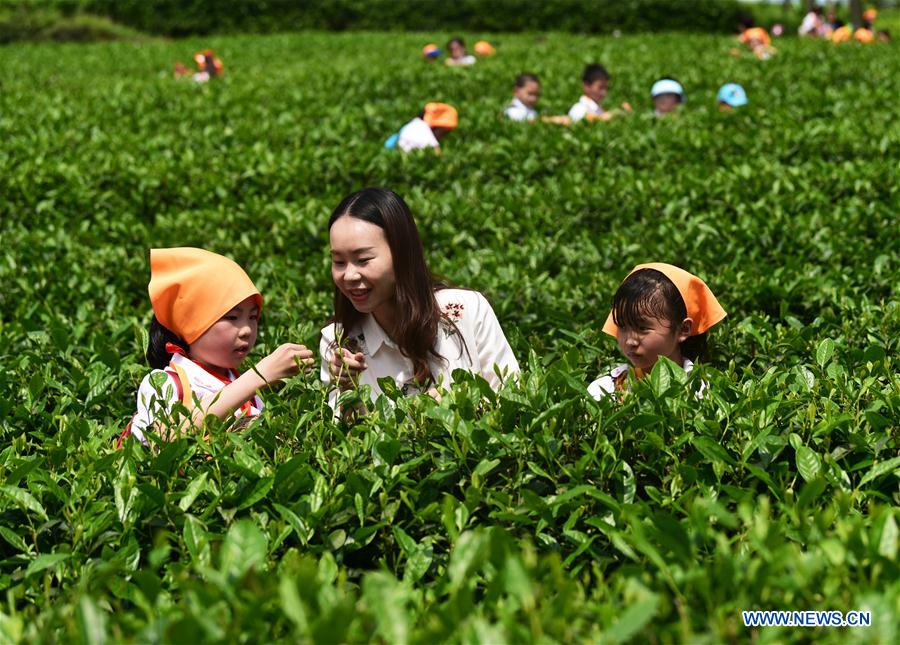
{"points": [[685, 329]]}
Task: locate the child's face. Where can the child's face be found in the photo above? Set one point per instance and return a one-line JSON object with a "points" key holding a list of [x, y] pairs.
{"points": [[724, 107], [528, 93], [226, 344], [362, 265], [596, 91], [643, 346], [457, 50], [665, 103]]}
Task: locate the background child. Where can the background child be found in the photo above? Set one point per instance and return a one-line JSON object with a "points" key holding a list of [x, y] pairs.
{"points": [[731, 95], [427, 129], [658, 310], [458, 56], [667, 94], [526, 93], [205, 321], [594, 86]]}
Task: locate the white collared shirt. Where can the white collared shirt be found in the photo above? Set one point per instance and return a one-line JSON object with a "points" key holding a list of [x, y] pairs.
{"points": [[485, 346], [585, 107], [415, 135], [606, 385], [518, 111], [158, 394], [464, 61]]}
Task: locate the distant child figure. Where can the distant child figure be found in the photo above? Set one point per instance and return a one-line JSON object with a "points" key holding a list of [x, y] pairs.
{"points": [[813, 25], [427, 129], [730, 96], [667, 95], [208, 66], [458, 56], [205, 320], [658, 310], [759, 42], [594, 86], [526, 93]]}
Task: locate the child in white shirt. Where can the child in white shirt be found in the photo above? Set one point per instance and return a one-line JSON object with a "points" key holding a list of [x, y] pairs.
{"points": [[427, 129], [594, 87], [526, 93], [658, 310], [458, 56]]}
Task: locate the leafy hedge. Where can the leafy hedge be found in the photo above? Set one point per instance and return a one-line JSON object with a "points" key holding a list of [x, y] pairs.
{"points": [[183, 17], [538, 515]]}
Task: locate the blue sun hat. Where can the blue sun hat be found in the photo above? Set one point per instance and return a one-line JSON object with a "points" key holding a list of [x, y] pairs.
{"points": [[732, 94], [668, 86]]}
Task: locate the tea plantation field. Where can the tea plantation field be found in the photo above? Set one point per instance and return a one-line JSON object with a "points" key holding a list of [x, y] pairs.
{"points": [[532, 515]]}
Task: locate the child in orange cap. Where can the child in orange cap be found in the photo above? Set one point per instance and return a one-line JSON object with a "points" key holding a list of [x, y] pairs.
{"points": [[427, 129], [658, 310], [205, 320]]}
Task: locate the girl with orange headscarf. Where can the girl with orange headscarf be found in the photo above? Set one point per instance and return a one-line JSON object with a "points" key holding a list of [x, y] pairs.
{"points": [[658, 310], [205, 321]]}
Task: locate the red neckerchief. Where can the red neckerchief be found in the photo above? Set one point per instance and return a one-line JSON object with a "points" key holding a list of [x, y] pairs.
{"points": [[175, 349]]}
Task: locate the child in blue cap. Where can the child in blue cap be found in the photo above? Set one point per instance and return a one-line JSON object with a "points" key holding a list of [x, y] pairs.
{"points": [[730, 96], [667, 94]]}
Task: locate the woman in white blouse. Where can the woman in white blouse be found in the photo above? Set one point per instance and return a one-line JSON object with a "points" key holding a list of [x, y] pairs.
{"points": [[391, 316]]}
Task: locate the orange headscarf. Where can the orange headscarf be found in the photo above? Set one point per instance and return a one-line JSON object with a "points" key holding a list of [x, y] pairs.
{"points": [[702, 306], [484, 48], [756, 33], [440, 115], [864, 36], [190, 289]]}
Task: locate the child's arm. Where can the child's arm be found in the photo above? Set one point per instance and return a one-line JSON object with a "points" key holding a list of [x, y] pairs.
{"points": [[285, 361]]}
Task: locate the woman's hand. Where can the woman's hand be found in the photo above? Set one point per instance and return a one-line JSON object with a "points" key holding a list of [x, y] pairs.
{"points": [[286, 360], [346, 366]]}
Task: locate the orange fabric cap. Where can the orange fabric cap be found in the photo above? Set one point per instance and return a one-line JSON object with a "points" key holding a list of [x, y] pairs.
{"points": [[841, 34], [484, 48], [756, 33], [869, 15], [702, 306], [864, 36], [190, 289], [441, 115]]}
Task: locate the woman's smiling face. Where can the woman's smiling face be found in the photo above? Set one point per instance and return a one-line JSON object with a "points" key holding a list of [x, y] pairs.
{"points": [[362, 265]]}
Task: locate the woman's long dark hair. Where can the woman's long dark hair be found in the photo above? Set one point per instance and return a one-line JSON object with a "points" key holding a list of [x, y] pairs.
{"points": [[419, 316], [648, 293], [157, 356]]}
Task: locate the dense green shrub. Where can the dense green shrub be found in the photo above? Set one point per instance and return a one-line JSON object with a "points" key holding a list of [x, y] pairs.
{"points": [[183, 17], [536, 515]]}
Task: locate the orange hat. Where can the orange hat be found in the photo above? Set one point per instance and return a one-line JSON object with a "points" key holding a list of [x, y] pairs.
{"points": [[842, 34], [702, 306], [484, 48], [864, 36], [870, 14], [190, 289], [431, 51], [756, 33], [441, 115]]}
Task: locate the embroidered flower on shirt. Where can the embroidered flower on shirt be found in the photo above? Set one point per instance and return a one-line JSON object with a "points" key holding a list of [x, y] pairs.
{"points": [[358, 344], [453, 312]]}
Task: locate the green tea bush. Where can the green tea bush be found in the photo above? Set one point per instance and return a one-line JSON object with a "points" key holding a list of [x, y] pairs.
{"points": [[184, 17], [531, 514]]}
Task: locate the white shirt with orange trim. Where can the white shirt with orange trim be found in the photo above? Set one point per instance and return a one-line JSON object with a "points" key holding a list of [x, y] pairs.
{"points": [[416, 135], [484, 346], [158, 394], [585, 107], [606, 385]]}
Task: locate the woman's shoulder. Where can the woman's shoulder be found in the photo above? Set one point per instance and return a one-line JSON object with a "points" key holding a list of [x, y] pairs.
{"points": [[458, 304]]}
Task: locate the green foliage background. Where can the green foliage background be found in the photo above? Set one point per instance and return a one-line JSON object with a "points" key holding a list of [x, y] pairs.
{"points": [[539, 514], [185, 17]]}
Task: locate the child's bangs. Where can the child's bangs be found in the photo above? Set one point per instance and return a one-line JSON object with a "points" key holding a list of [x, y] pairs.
{"points": [[646, 295], [634, 310]]}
